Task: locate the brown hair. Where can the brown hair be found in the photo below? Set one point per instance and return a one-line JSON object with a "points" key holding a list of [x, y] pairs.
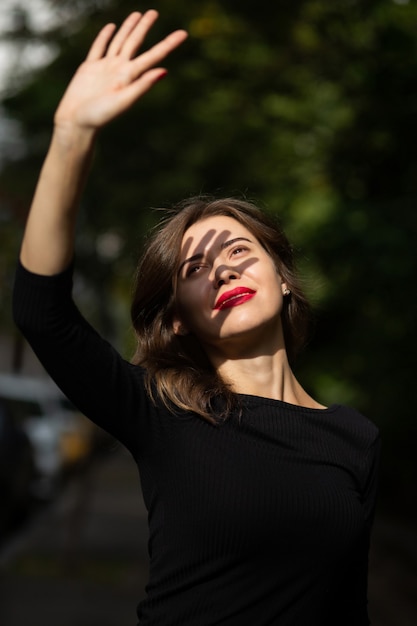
{"points": [[177, 369]]}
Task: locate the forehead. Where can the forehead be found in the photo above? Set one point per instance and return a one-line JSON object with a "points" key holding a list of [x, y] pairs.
{"points": [[212, 232]]}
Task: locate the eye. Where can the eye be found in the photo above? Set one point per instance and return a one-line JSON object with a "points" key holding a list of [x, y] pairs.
{"points": [[238, 250], [193, 269]]}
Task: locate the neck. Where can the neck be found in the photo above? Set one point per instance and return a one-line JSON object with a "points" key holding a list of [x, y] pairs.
{"points": [[264, 375]]}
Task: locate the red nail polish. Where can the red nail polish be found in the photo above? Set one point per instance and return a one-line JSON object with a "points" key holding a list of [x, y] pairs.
{"points": [[161, 76]]}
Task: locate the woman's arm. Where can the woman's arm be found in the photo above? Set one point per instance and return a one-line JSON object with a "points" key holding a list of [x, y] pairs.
{"points": [[108, 83]]}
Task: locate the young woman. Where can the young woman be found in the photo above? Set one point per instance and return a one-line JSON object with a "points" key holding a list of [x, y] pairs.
{"points": [[260, 499]]}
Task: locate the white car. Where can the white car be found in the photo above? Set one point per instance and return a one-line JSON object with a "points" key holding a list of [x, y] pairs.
{"points": [[60, 436]]}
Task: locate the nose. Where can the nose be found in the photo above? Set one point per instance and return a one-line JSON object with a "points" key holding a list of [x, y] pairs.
{"points": [[224, 274]]}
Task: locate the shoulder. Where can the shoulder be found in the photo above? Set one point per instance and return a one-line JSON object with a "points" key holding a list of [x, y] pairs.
{"points": [[361, 437], [357, 423]]}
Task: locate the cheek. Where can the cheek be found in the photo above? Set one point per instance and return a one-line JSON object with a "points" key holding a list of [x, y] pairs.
{"points": [[195, 292], [185, 299], [189, 302]]}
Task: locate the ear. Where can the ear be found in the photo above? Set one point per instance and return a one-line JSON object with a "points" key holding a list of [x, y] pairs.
{"points": [[179, 328]]}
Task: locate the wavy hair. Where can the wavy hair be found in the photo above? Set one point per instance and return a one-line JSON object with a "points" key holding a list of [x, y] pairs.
{"points": [[178, 371]]}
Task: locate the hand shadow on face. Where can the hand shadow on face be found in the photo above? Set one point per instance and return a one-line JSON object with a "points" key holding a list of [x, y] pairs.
{"points": [[214, 241]]}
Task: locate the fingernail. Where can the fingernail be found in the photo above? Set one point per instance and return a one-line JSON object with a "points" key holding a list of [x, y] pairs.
{"points": [[161, 76]]}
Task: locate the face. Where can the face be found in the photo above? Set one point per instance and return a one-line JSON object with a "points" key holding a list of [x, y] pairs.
{"points": [[228, 288]]}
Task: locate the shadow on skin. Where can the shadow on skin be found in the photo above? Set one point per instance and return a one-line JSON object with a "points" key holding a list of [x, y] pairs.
{"points": [[207, 250]]}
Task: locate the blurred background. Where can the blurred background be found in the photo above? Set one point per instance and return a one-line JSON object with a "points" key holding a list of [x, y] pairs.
{"points": [[307, 107]]}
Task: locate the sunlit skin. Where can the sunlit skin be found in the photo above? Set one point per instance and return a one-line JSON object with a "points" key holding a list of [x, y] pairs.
{"points": [[219, 256], [230, 297], [112, 79]]}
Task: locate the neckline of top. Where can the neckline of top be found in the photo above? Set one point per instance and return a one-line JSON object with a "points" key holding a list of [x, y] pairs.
{"points": [[287, 405]]}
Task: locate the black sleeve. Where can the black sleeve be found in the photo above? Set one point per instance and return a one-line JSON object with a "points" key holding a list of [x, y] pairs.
{"points": [[355, 611], [90, 372]]}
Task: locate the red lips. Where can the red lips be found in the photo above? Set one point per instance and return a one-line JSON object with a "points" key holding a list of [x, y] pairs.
{"points": [[234, 297]]}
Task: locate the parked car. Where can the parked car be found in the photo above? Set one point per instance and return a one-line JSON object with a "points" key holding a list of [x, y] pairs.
{"points": [[60, 436], [17, 471]]}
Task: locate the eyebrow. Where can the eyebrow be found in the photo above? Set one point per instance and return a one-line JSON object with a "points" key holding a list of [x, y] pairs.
{"points": [[200, 255]]}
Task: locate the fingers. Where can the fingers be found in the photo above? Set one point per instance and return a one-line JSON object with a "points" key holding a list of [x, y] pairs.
{"points": [[124, 98], [132, 34], [127, 39], [137, 35], [158, 52], [99, 46], [135, 90], [125, 31], [130, 37]]}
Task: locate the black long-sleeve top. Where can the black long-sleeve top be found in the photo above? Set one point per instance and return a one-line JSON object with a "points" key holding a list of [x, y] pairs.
{"points": [[263, 520]]}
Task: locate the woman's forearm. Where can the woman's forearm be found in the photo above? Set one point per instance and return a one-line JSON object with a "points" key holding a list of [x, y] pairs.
{"points": [[48, 242], [112, 78]]}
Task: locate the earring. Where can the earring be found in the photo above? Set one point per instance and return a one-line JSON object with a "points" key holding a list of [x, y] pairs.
{"points": [[286, 291]]}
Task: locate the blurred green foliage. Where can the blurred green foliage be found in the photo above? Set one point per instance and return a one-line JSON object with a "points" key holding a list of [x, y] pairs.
{"points": [[307, 107]]}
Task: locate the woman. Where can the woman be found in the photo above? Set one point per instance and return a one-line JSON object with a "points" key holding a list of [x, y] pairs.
{"points": [[260, 499]]}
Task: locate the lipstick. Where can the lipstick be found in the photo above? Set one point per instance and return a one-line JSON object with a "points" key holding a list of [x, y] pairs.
{"points": [[234, 297]]}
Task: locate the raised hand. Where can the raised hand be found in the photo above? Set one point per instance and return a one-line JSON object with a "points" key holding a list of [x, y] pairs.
{"points": [[113, 78], [109, 81]]}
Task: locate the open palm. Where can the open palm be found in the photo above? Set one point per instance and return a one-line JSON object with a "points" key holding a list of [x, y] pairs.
{"points": [[112, 77]]}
